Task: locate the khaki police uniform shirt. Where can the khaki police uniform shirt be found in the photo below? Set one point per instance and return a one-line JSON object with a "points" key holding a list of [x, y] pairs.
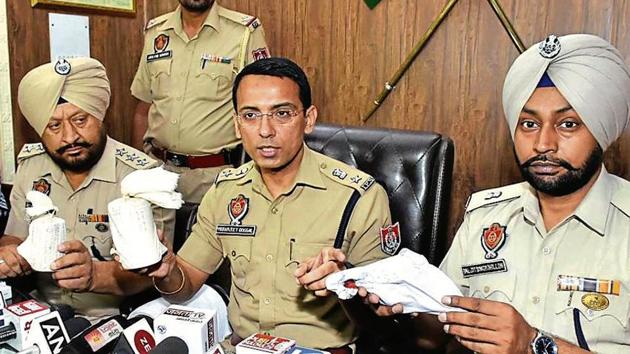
{"points": [[266, 239], [84, 211], [503, 252], [189, 81]]}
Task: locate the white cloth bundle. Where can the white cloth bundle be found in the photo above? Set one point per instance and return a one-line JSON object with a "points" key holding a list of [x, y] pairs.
{"points": [[131, 219], [155, 185], [407, 279], [45, 233]]}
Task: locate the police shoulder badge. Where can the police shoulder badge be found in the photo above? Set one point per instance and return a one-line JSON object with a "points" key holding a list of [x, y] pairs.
{"points": [[492, 239], [41, 185], [237, 209], [390, 239], [260, 53]]}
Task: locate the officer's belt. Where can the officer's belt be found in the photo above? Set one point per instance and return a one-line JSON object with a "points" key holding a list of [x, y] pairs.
{"points": [[193, 161]]}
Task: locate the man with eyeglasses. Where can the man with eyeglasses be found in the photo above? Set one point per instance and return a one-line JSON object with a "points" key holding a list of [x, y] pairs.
{"points": [[277, 211]]}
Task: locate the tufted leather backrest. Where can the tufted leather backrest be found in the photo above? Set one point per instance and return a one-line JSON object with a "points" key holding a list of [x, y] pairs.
{"points": [[414, 167]]}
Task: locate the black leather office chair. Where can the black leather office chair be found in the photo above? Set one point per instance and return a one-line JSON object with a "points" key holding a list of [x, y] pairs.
{"points": [[415, 168]]}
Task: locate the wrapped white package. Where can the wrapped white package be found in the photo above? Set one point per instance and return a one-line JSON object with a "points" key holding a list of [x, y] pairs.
{"points": [[45, 233], [134, 233], [407, 279], [131, 221], [156, 185]]}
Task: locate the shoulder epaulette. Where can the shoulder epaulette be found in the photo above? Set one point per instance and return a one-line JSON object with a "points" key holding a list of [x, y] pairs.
{"points": [[495, 195], [134, 158], [156, 21], [30, 150], [248, 21], [345, 174], [230, 174], [621, 199]]}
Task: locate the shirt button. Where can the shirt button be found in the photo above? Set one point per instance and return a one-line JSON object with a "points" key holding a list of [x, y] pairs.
{"points": [[323, 165], [213, 76], [274, 211], [267, 301], [486, 289], [173, 121], [535, 299], [233, 253], [546, 251], [269, 258]]}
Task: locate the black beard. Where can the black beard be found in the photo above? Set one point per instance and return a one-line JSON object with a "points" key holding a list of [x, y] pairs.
{"points": [[567, 183], [196, 6], [95, 151]]}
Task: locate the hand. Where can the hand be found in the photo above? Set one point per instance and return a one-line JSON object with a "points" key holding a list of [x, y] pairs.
{"points": [[312, 272], [375, 303], [14, 265], [489, 327], [165, 267], [75, 269]]}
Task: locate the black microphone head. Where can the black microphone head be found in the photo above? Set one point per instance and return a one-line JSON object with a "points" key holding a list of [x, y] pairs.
{"points": [[137, 318], [171, 345], [66, 312], [76, 325]]}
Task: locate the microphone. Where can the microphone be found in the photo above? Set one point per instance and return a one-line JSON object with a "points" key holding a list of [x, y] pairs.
{"points": [[75, 326], [20, 316], [47, 335], [196, 327], [171, 345], [98, 338], [136, 339]]}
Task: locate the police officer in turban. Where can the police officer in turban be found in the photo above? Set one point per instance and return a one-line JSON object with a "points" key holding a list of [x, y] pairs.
{"points": [[80, 168], [544, 264]]}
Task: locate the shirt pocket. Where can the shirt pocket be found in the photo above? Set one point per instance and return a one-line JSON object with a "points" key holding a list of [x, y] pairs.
{"points": [[213, 81], [299, 252], [238, 250], [160, 78], [603, 317], [496, 287]]}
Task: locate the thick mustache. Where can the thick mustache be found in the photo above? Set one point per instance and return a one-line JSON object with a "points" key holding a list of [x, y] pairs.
{"points": [[63, 149], [545, 158]]}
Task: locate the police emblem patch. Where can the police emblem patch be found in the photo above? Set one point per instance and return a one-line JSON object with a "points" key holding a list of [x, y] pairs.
{"points": [[390, 239], [63, 67], [237, 209], [160, 43], [550, 47], [492, 239], [260, 53], [42, 186]]}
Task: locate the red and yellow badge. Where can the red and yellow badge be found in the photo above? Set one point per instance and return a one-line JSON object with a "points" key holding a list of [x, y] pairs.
{"points": [[390, 239], [492, 239], [160, 43], [42, 186], [237, 209], [260, 53]]}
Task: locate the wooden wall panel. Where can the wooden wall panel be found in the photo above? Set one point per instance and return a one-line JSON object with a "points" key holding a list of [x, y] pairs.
{"points": [[115, 40], [453, 88]]}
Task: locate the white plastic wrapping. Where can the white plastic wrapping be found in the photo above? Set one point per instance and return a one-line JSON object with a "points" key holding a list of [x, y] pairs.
{"points": [[407, 279]]}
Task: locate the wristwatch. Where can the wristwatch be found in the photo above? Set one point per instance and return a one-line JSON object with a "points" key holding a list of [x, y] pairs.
{"points": [[544, 344]]}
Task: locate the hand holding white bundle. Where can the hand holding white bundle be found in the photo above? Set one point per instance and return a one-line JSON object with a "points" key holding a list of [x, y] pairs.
{"points": [[407, 279], [131, 219], [45, 233]]}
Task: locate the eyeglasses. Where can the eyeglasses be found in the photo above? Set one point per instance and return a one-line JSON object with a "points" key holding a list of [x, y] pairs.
{"points": [[280, 116]]}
